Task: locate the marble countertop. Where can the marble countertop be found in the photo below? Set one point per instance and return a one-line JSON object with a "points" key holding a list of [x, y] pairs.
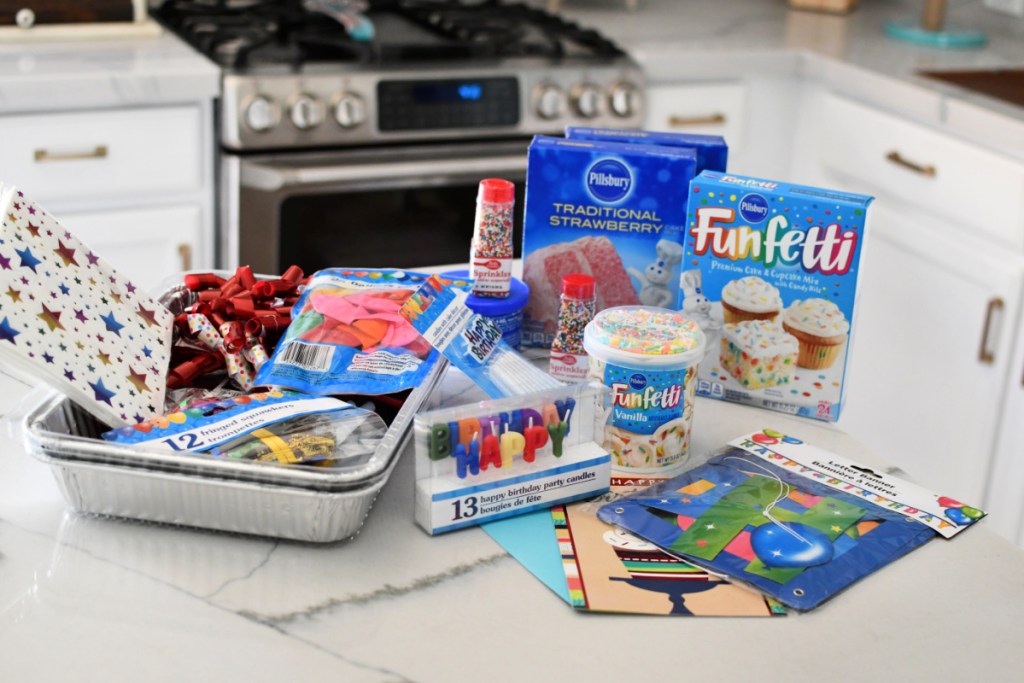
{"points": [[848, 53], [55, 75], [90, 598]]}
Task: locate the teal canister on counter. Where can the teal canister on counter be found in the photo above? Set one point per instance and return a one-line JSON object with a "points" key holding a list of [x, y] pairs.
{"points": [[506, 313]]}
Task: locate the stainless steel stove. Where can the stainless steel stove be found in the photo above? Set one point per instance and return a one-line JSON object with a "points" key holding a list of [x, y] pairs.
{"points": [[347, 127]]}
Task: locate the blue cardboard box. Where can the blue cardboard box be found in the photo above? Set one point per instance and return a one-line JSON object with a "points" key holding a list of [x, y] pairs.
{"points": [[771, 271], [611, 210], [712, 152]]}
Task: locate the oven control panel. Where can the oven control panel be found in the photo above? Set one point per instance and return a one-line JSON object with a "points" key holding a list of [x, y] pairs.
{"points": [[330, 109], [439, 104]]}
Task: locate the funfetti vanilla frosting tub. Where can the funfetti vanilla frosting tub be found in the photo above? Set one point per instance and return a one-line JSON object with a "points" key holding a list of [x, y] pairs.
{"points": [[614, 211], [770, 273], [648, 358]]}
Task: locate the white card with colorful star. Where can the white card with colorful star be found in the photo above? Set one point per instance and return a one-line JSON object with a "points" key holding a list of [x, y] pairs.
{"points": [[69, 318]]}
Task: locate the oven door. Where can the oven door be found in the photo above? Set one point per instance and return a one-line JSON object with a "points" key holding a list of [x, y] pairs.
{"points": [[400, 207]]}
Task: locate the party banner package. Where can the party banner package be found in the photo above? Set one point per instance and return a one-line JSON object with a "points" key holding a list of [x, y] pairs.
{"points": [[794, 521], [611, 210], [770, 274]]}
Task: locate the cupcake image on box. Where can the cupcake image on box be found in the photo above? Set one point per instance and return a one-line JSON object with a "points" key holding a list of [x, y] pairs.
{"points": [[820, 327], [750, 298], [758, 354]]}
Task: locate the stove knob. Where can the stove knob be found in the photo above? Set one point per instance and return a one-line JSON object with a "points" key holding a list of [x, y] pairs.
{"points": [[624, 99], [586, 100], [549, 101], [260, 113], [349, 110], [306, 111]]}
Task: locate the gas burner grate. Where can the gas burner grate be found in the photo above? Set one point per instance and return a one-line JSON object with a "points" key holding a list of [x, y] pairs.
{"points": [[243, 35], [507, 29]]}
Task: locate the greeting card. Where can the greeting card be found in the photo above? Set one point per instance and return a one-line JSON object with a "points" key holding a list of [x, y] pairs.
{"points": [[70, 319]]}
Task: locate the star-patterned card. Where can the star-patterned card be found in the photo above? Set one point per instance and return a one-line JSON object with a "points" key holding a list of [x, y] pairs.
{"points": [[69, 318]]}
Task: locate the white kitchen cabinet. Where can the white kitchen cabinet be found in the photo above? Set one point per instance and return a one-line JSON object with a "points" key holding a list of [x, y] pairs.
{"points": [[148, 245], [699, 108], [938, 354], [1005, 503], [753, 114], [932, 346], [135, 184], [932, 172], [103, 155]]}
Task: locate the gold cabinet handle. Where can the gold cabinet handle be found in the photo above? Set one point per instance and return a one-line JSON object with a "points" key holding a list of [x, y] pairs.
{"points": [[97, 152], [995, 305], [898, 159], [185, 254], [688, 121]]}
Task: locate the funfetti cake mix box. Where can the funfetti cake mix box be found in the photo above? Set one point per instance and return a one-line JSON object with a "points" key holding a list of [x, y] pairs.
{"points": [[770, 274], [611, 210], [712, 152]]}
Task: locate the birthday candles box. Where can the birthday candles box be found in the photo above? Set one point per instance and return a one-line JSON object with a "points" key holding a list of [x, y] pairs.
{"points": [[770, 274], [612, 210], [482, 461]]}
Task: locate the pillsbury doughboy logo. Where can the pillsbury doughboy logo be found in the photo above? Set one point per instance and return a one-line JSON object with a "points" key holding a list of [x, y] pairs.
{"points": [[754, 208], [609, 180], [637, 382]]}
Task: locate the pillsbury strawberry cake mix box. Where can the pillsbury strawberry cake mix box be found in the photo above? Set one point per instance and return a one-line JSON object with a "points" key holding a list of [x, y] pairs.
{"points": [[611, 210], [770, 273]]}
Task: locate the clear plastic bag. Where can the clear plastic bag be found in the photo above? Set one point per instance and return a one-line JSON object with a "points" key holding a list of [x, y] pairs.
{"points": [[278, 427]]}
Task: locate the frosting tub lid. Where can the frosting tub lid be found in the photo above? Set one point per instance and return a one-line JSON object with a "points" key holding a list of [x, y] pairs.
{"points": [[644, 335]]}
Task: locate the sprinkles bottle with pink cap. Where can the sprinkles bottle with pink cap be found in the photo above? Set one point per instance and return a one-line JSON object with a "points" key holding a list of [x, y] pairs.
{"points": [[490, 258]]}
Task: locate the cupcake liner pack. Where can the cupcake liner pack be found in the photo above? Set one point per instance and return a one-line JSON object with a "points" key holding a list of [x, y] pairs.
{"points": [[770, 274]]}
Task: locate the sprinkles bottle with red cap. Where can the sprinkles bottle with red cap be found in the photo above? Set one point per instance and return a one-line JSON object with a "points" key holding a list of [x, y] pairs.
{"points": [[576, 308], [490, 258]]}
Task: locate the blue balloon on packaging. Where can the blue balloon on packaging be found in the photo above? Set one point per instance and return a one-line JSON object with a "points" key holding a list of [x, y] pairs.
{"points": [[791, 545], [957, 515]]}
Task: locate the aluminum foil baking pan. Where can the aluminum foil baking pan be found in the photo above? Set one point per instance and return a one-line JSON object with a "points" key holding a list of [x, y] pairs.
{"points": [[302, 503], [308, 503]]}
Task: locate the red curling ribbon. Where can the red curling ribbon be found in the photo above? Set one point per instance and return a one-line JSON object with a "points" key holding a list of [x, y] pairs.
{"points": [[181, 323], [217, 318], [249, 314], [272, 322], [241, 307], [234, 337], [253, 328], [245, 277], [185, 373], [264, 289], [293, 276], [199, 281], [231, 288]]}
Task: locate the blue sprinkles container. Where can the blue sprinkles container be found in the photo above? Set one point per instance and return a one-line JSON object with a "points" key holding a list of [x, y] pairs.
{"points": [[506, 314]]}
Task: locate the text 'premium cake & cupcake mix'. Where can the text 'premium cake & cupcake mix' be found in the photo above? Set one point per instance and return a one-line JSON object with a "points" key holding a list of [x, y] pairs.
{"points": [[770, 273]]}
